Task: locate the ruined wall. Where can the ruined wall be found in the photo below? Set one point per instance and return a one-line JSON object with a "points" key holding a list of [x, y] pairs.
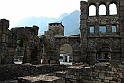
{"points": [[121, 14], [31, 45], [56, 38], [74, 42], [78, 73], [94, 37], [19, 42], [4, 34], [99, 73], [55, 29], [12, 71]]}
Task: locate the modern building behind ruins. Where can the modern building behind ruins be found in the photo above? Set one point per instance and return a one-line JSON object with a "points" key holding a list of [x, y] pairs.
{"points": [[101, 38]]}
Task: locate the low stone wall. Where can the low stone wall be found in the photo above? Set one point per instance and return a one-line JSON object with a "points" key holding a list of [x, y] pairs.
{"points": [[79, 73], [10, 72], [99, 73]]}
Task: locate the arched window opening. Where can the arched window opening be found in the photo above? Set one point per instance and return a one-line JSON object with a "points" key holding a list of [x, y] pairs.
{"points": [[102, 9], [112, 9], [92, 10]]}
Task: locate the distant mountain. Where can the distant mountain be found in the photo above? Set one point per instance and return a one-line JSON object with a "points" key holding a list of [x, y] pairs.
{"points": [[70, 22], [41, 22], [62, 16]]}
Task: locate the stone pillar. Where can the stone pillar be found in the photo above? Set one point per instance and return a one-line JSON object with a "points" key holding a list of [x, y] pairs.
{"points": [[117, 28], [121, 14], [0, 56], [108, 28], [27, 55], [97, 9], [107, 9], [44, 55], [83, 29], [4, 55], [97, 28]]}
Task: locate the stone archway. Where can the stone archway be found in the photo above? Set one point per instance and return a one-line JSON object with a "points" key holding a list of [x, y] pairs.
{"points": [[73, 42], [21, 39], [44, 44], [66, 54], [23, 50]]}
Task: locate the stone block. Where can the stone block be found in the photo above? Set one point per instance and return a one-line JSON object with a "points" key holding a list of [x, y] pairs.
{"points": [[101, 75], [111, 74], [60, 74], [97, 70], [69, 76], [121, 75], [39, 79], [114, 69], [95, 74], [106, 81], [108, 78], [52, 61], [112, 82]]}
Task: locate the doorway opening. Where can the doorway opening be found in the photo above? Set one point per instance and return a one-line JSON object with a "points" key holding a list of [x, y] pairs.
{"points": [[66, 54], [103, 55], [19, 52]]}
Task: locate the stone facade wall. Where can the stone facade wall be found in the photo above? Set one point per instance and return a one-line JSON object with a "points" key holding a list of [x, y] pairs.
{"points": [[92, 42]]}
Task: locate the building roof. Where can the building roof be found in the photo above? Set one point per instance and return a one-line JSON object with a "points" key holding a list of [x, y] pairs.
{"points": [[56, 23]]}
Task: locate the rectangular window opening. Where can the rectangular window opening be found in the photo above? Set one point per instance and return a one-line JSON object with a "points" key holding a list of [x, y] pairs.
{"points": [[102, 29], [113, 28], [91, 29]]}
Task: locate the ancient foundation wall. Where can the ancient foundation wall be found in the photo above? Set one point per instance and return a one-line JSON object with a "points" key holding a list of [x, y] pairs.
{"points": [[79, 73]]}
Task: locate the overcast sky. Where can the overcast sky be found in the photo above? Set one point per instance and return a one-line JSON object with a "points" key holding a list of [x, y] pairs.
{"points": [[15, 10]]}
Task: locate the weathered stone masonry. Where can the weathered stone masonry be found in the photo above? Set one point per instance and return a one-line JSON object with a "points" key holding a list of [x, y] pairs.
{"points": [[92, 45], [96, 42], [19, 41]]}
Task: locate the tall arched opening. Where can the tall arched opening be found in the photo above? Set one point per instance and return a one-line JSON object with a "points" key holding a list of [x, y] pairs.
{"points": [[21, 50], [92, 10], [112, 9], [66, 54], [102, 9]]}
